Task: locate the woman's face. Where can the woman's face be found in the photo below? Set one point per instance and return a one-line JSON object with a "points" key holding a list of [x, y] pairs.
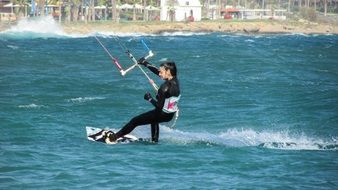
{"points": [[165, 74]]}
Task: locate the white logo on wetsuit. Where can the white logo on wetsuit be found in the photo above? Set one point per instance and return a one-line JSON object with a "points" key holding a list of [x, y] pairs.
{"points": [[171, 104]]}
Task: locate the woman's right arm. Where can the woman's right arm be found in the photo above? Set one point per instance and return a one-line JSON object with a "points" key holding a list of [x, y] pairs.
{"points": [[151, 67]]}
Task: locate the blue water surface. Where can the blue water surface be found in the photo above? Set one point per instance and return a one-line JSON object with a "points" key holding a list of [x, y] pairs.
{"points": [[257, 112]]}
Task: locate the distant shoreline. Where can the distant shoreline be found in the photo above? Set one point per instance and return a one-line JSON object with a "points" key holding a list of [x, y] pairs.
{"points": [[223, 26], [203, 26], [258, 26]]}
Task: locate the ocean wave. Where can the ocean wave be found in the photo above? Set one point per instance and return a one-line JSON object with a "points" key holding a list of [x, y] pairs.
{"points": [[30, 106], [250, 41], [269, 35], [119, 34], [84, 99], [39, 27], [300, 146], [42, 25], [140, 34], [247, 137], [13, 47], [163, 59], [181, 33]]}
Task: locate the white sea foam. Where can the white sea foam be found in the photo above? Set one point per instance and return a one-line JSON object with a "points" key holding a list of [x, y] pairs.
{"points": [[42, 25], [28, 106], [163, 59], [37, 27], [84, 99], [13, 47], [284, 140], [299, 34], [279, 140], [250, 41], [120, 34], [139, 34]]}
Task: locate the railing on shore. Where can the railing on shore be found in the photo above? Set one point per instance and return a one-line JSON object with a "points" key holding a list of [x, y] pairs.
{"points": [[263, 14], [7, 17]]}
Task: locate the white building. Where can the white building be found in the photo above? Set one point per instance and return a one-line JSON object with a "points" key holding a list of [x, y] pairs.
{"points": [[180, 10]]}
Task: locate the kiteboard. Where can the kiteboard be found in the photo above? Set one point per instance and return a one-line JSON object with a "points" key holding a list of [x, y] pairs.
{"points": [[96, 134]]}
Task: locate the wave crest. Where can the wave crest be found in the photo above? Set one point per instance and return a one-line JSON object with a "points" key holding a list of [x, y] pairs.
{"points": [[37, 27], [84, 99], [31, 106], [248, 137]]}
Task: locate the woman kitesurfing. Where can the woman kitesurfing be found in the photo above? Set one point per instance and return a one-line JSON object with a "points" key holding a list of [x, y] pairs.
{"points": [[165, 102]]}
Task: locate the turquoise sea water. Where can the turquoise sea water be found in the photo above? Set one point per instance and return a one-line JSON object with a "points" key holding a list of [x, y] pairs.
{"points": [[257, 111]]}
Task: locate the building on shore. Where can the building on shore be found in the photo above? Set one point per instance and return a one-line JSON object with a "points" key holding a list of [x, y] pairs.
{"points": [[250, 14], [7, 10], [277, 14], [180, 10]]}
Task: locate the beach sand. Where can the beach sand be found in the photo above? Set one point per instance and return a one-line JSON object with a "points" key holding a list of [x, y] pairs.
{"points": [[203, 26]]}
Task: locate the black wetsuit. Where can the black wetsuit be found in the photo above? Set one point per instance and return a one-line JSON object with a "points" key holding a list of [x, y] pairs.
{"points": [[168, 89]]}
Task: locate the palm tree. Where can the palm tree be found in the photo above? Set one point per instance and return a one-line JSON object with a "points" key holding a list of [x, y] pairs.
{"points": [[145, 12], [114, 11], [75, 9], [134, 9]]}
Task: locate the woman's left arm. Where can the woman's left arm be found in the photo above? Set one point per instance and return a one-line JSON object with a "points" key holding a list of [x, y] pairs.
{"points": [[160, 97]]}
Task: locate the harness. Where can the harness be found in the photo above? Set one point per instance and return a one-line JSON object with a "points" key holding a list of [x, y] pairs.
{"points": [[171, 104]]}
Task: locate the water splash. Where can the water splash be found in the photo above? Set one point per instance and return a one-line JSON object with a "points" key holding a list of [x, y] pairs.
{"points": [[38, 27], [283, 140], [247, 137]]}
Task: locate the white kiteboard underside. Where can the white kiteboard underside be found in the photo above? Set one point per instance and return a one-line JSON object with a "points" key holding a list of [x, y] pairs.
{"points": [[125, 139]]}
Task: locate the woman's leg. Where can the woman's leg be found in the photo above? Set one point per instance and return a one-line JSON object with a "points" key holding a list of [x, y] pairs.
{"points": [[142, 119], [155, 130]]}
